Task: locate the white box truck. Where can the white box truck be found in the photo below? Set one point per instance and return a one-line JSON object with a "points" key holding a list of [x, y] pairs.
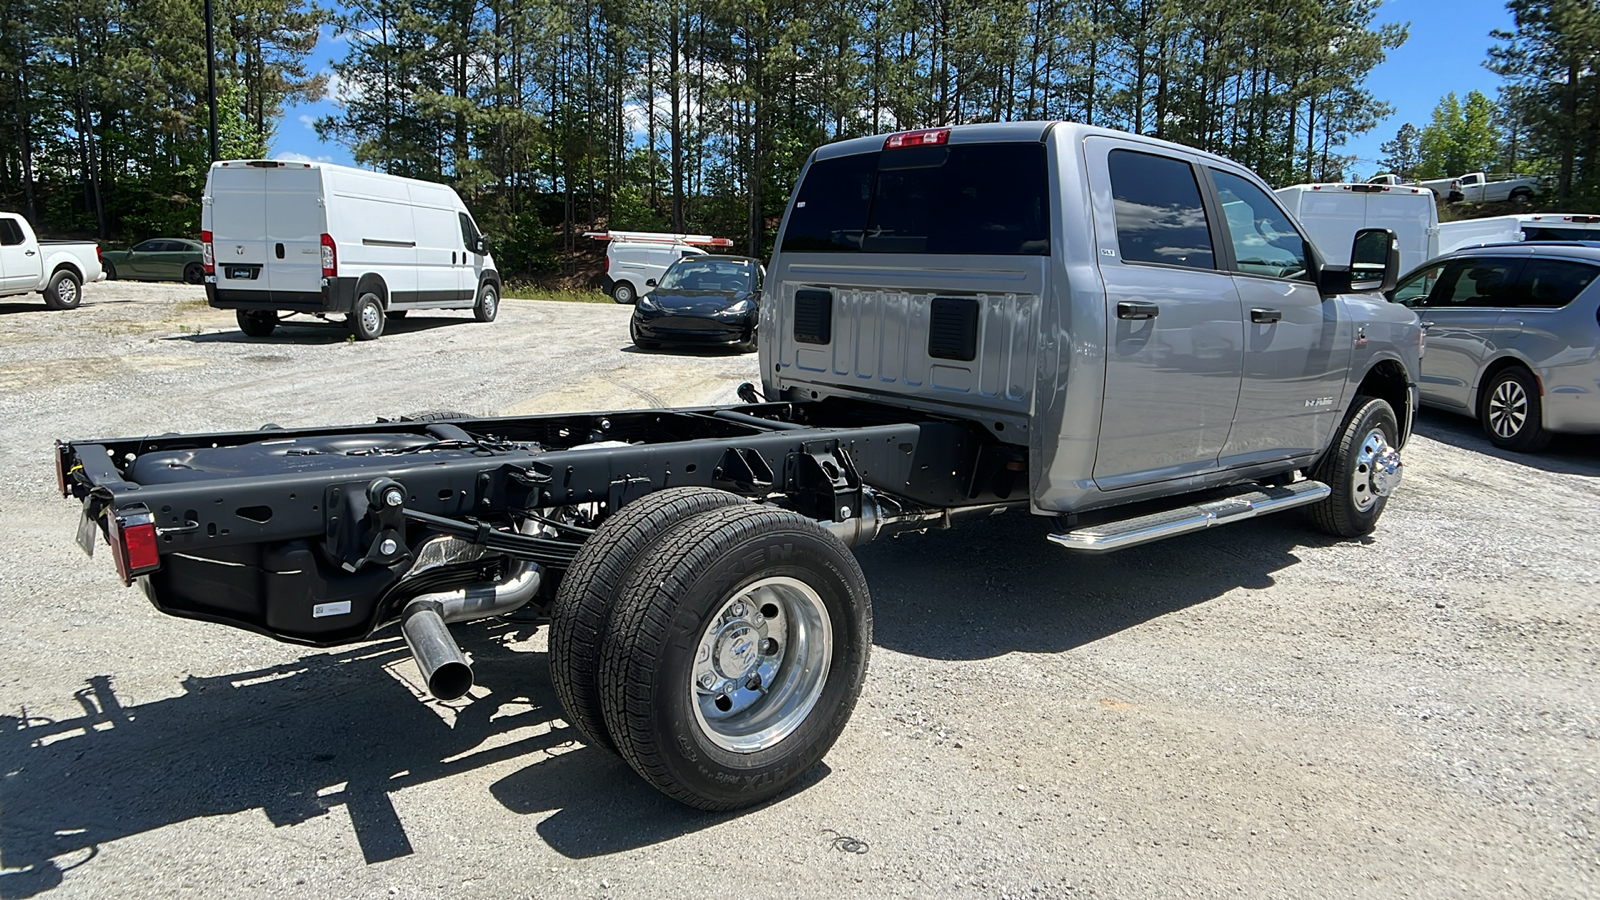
{"points": [[1333, 213], [280, 238]]}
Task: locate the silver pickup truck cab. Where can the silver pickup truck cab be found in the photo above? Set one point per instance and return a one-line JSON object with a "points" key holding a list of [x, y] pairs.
{"points": [[1145, 318]]}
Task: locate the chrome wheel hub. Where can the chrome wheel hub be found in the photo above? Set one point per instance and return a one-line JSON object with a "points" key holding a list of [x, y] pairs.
{"points": [[761, 664], [489, 302], [66, 291], [1508, 409], [1376, 472], [371, 318]]}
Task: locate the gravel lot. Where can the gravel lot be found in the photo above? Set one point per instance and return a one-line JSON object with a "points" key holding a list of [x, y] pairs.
{"points": [[1252, 711]]}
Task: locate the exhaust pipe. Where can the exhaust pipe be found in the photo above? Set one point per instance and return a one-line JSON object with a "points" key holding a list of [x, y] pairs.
{"points": [[444, 667]]}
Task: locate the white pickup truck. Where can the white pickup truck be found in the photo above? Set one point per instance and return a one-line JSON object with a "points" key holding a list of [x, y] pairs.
{"points": [[1446, 189], [1477, 188], [56, 269]]}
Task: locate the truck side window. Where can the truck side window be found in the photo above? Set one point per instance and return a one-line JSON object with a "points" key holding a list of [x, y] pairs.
{"points": [[1160, 218], [10, 233], [1552, 283], [1265, 242]]}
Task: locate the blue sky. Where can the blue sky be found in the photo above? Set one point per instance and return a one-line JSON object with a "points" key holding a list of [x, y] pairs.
{"points": [[1448, 44]]}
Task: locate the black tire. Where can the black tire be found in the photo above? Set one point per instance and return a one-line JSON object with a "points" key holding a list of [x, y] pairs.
{"points": [[623, 292], [436, 415], [194, 273], [111, 271], [641, 342], [1512, 413], [1352, 510], [582, 609], [749, 345], [677, 614], [366, 319], [488, 305], [396, 314], [1521, 195], [64, 291], [256, 322]]}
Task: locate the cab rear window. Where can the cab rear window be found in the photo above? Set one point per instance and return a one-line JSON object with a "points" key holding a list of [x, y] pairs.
{"points": [[988, 199]]}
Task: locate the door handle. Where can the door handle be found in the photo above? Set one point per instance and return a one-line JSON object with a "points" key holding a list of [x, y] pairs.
{"points": [[1427, 325], [28, 253], [1263, 316], [1136, 309]]}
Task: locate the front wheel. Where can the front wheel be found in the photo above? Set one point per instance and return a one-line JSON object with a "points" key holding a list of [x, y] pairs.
{"points": [[366, 320], [256, 322], [736, 652], [1363, 469], [488, 305], [1512, 413], [623, 292], [64, 291]]}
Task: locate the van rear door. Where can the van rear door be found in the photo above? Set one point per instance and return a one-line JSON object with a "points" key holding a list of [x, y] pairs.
{"points": [[238, 226], [1413, 219], [295, 223]]}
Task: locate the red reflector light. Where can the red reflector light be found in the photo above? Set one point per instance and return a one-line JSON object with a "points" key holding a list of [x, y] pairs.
{"points": [[133, 542], [330, 257], [917, 138], [208, 260]]}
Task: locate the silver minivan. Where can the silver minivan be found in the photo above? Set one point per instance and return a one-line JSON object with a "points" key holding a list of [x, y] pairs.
{"points": [[1512, 337]]}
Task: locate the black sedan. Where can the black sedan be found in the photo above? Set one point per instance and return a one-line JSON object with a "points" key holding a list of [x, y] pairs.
{"points": [[707, 300]]}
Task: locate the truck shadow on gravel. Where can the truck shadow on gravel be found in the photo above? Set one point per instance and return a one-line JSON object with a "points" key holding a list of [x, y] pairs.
{"points": [[997, 586], [1568, 454], [300, 739]]}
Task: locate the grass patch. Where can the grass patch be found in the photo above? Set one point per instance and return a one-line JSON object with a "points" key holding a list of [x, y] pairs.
{"points": [[516, 291]]}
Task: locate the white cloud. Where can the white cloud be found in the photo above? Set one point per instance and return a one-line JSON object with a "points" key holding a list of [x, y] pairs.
{"points": [[340, 91], [291, 156], [309, 121]]}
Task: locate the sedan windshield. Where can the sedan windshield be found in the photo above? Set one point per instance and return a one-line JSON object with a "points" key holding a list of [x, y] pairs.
{"points": [[708, 275]]}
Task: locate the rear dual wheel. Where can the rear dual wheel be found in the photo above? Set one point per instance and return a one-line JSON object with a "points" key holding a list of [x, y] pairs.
{"points": [[735, 655]]}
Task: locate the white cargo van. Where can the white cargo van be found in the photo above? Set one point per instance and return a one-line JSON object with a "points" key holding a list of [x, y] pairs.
{"points": [[291, 237], [636, 259], [1522, 227], [1332, 214]]}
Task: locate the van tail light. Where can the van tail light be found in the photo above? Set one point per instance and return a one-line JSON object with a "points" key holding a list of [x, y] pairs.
{"points": [[917, 138], [132, 532], [208, 259], [330, 257], [608, 265]]}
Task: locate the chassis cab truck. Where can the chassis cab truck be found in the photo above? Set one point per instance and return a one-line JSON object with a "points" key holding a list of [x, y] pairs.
{"points": [[1042, 318]]}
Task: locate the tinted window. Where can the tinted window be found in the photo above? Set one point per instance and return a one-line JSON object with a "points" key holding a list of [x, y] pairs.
{"points": [[1264, 241], [1159, 215], [1411, 291], [969, 198], [1552, 283], [469, 231], [708, 275], [148, 246], [10, 233], [1475, 282], [1546, 233]]}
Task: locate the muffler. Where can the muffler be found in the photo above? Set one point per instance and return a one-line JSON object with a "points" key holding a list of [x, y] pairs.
{"points": [[444, 667]]}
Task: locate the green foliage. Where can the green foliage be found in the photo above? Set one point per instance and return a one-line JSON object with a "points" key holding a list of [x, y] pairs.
{"points": [[1461, 138], [1550, 61], [1402, 156]]}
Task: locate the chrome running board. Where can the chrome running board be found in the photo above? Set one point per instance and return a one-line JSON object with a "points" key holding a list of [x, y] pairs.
{"points": [[1255, 501]]}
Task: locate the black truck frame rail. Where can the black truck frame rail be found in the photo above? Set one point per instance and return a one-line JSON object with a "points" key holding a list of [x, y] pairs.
{"points": [[313, 535]]}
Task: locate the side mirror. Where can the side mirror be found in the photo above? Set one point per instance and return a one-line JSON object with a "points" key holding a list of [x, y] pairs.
{"points": [[482, 246], [650, 282], [1374, 265]]}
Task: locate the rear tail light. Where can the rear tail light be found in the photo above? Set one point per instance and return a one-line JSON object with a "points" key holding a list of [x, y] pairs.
{"points": [[608, 265], [208, 260], [133, 542], [917, 138], [330, 257]]}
